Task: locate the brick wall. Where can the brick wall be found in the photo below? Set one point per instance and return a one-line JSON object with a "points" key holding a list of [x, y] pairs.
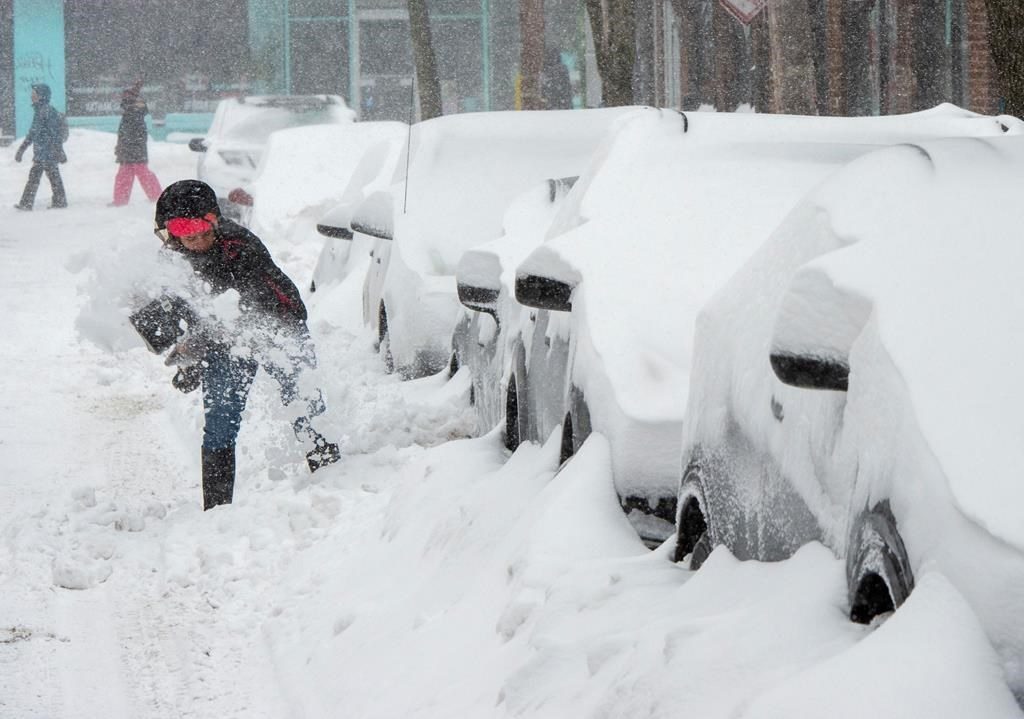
{"points": [[982, 91]]}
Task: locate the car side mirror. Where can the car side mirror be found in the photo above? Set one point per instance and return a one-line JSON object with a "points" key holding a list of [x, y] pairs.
{"points": [[478, 280], [816, 326], [197, 144], [544, 293], [479, 299], [375, 217], [335, 222]]}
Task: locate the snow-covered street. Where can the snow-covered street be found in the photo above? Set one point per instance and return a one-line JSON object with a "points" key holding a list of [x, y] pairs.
{"points": [[428, 574]]}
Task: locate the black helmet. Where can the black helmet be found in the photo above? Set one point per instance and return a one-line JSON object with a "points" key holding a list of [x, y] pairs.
{"points": [[186, 198]]}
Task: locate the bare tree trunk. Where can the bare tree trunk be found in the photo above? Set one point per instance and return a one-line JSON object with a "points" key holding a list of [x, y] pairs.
{"points": [[614, 28], [426, 65], [836, 84], [727, 59], [790, 37], [531, 53], [931, 57], [760, 50], [1006, 39], [688, 15], [643, 69]]}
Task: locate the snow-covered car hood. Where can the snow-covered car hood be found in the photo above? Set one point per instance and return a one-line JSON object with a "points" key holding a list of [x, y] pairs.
{"points": [[489, 157], [673, 206], [931, 251], [310, 167]]}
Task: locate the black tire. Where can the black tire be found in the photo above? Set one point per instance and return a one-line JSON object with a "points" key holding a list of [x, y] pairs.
{"points": [[576, 426], [384, 340], [568, 448], [513, 433], [878, 574], [701, 551], [693, 526]]}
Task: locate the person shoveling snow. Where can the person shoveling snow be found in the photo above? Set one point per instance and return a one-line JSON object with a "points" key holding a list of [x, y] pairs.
{"points": [[257, 319]]}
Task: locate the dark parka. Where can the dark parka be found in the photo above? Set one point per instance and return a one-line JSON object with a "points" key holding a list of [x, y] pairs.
{"points": [[239, 260], [132, 135], [46, 133]]}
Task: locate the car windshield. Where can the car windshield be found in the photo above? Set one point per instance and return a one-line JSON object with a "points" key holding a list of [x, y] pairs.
{"points": [[253, 123]]}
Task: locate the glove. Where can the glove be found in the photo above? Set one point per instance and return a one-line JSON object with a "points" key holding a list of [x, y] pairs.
{"points": [[186, 379], [18, 155], [189, 351]]}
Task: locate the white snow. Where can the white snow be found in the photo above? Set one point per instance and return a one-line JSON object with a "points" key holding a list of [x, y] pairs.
{"points": [[306, 169], [426, 575]]}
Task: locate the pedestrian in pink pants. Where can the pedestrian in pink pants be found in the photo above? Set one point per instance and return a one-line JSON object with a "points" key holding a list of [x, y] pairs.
{"points": [[131, 150]]}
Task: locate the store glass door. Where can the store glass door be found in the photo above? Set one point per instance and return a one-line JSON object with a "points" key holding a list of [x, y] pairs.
{"points": [[385, 67]]}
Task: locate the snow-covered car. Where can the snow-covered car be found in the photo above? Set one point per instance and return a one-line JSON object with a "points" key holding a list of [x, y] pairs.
{"points": [[373, 172], [304, 171], [232, 149], [894, 291], [648, 234], [452, 187], [492, 321]]}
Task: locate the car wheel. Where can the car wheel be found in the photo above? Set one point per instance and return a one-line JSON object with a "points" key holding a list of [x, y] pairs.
{"points": [[878, 574], [513, 426], [693, 529], [576, 425], [454, 365], [384, 340]]}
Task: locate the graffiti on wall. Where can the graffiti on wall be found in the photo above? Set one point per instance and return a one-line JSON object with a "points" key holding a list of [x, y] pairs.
{"points": [[31, 68]]}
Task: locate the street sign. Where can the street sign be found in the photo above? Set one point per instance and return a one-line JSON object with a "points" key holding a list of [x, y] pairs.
{"points": [[744, 10]]}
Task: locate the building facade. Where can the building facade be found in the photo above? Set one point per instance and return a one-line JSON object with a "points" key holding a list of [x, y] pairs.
{"points": [[192, 53], [827, 57], [805, 56]]}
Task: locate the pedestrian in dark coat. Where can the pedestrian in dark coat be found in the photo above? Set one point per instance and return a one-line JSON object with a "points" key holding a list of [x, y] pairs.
{"points": [[46, 136], [131, 151], [271, 332]]}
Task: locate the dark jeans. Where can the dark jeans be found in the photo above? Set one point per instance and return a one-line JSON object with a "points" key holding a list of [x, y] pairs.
{"points": [[52, 170], [227, 379]]}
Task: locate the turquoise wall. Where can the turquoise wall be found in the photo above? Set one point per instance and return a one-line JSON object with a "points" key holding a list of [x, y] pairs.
{"points": [[38, 55], [267, 41]]}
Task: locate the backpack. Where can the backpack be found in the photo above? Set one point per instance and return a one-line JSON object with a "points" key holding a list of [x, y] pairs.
{"points": [[65, 132]]}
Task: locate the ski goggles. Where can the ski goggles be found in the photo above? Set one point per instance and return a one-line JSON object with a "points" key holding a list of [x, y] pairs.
{"points": [[187, 226]]}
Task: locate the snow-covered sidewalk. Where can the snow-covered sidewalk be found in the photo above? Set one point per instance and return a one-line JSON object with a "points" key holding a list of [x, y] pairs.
{"points": [[426, 575]]}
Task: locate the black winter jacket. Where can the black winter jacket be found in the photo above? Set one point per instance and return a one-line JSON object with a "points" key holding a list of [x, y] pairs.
{"points": [[239, 260], [45, 135], [132, 135]]}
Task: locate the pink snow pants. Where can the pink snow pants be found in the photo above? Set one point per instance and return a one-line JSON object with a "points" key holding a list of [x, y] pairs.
{"points": [[125, 176]]}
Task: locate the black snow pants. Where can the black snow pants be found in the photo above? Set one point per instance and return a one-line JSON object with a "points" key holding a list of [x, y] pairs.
{"points": [[52, 170]]}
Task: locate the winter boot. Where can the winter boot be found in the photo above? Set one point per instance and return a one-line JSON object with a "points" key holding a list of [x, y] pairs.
{"points": [[323, 452], [218, 476]]}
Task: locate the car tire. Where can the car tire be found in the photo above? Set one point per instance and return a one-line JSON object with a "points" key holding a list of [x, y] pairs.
{"points": [[693, 525], [878, 574], [454, 365], [513, 416], [576, 426], [384, 340]]}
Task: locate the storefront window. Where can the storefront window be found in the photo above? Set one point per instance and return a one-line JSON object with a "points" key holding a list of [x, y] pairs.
{"points": [[459, 52], [453, 7], [386, 69], [189, 55], [319, 57], [317, 8]]}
